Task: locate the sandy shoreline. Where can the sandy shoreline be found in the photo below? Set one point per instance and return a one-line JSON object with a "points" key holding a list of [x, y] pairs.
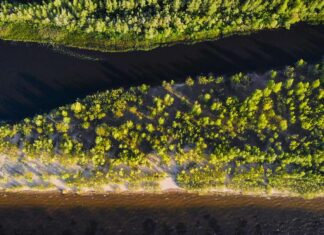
{"points": [[158, 192], [36, 176]]}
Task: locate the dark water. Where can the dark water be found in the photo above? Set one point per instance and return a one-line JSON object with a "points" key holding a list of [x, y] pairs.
{"points": [[158, 214], [36, 78]]}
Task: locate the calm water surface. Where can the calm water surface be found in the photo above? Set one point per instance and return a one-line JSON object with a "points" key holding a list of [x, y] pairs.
{"points": [[158, 214], [35, 79]]}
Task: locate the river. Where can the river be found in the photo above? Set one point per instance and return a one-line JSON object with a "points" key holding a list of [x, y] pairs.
{"points": [[36, 78], [171, 213]]}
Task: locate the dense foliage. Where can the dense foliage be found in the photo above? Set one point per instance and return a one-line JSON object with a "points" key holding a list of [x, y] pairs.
{"points": [[245, 131], [127, 24]]}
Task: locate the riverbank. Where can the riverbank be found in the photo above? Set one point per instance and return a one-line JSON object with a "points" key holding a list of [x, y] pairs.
{"points": [[31, 176], [160, 189], [257, 133], [116, 26], [26, 33], [42, 176]]}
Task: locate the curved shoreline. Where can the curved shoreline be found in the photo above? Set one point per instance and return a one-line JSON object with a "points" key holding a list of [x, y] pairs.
{"points": [[27, 164], [36, 79], [137, 45]]}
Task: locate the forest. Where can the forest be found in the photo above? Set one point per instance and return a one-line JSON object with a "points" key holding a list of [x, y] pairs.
{"points": [[254, 132], [120, 25]]}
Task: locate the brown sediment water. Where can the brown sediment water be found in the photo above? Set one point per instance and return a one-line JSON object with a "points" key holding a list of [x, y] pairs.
{"points": [[177, 199], [35, 78], [168, 213]]}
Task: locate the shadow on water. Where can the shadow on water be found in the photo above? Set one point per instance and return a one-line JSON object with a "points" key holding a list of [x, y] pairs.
{"points": [[35, 79], [194, 221], [158, 215]]}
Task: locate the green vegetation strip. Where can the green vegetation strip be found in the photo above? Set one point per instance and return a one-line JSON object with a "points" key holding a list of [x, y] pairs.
{"points": [[250, 133], [120, 25]]}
